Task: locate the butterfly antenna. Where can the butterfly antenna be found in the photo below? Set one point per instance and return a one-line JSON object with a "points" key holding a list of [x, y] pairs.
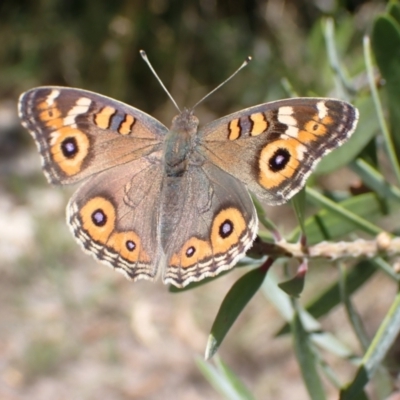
{"points": [[245, 63], [144, 56]]}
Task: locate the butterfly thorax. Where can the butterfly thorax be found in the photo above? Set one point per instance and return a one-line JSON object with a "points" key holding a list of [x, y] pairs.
{"points": [[179, 143]]}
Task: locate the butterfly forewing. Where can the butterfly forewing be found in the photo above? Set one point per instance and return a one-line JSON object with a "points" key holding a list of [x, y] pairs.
{"points": [[272, 148], [80, 133]]}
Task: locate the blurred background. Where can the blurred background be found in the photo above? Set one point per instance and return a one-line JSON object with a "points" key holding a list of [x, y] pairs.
{"points": [[71, 328]]}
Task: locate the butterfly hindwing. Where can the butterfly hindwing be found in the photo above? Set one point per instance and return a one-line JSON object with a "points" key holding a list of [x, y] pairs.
{"points": [[208, 223], [114, 217]]}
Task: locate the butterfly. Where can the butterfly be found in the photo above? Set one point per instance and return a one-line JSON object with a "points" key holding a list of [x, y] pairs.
{"points": [[176, 201]]}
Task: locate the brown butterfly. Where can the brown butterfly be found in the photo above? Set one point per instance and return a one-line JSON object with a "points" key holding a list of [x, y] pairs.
{"points": [[176, 200]]}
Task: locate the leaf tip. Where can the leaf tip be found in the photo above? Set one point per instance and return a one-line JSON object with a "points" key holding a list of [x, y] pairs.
{"points": [[211, 347]]}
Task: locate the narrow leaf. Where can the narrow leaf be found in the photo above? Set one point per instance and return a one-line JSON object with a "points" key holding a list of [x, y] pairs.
{"points": [[386, 43], [239, 387], [283, 304], [306, 359], [340, 79], [352, 314], [219, 381], [293, 287], [383, 340], [299, 206], [375, 180], [232, 305], [329, 298], [394, 11], [329, 225], [264, 220], [340, 211]]}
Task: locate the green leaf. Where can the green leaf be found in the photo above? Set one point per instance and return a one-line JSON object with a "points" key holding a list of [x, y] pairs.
{"points": [[299, 206], [306, 359], [234, 380], [386, 46], [344, 214], [263, 218], [352, 313], [339, 76], [224, 380], [329, 298], [283, 304], [361, 396], [293, 287], [232, 305], [394, 11], [375, 180], [383, 340], [386, 268], [329, 225]]}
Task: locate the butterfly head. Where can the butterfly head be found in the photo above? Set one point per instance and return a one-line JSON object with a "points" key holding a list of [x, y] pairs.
{"points": [[185, 123]]}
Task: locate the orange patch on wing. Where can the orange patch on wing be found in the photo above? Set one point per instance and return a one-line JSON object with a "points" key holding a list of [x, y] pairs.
{"points": [[126, 126], [98, 233], [51, 117], [234, 129], [269, 178], [230, 215], [306, 136], [69, 165], [103, 117], [327, 120], [316, 128], [50, 113], [260, 125], [193, 251], [129, 246], [43, 105]]}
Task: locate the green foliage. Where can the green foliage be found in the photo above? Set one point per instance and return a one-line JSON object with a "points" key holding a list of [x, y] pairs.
{"points": [[306, 358], [236, 299], [224, 380], [386, 43], [354, 213]]}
